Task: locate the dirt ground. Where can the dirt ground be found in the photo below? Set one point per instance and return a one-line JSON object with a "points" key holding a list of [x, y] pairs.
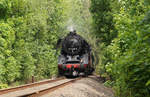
{"points": [[86, 87]]}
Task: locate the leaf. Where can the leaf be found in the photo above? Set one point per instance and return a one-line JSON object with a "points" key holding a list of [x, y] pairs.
{"points": [[148, 83]]}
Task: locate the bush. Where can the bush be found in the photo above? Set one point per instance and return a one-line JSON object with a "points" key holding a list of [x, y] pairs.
{"points": [[126, 58], [2, 86]]}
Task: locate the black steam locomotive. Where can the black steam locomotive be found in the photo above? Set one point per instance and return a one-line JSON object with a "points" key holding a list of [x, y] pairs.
{"points": [[76, 56]]}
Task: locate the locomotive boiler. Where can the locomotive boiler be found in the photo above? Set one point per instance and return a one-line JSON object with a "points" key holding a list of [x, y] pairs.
{"points": [[75, 57]]}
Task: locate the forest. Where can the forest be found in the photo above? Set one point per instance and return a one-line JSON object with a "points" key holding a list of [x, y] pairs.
{"points": [[117, 30]]}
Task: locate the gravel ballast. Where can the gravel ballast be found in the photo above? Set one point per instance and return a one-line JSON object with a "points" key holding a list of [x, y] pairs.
{"points": [[86, 87]]}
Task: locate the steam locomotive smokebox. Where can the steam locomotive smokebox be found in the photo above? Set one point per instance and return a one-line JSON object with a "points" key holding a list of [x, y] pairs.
{"points": [[72, 44]]}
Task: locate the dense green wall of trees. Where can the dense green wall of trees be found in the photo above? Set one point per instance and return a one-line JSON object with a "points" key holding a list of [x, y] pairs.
{"points": [[123, 27], [28, 31]]}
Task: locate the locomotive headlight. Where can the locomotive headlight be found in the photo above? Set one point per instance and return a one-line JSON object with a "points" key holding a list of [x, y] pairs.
{"points": [[81, 60]]}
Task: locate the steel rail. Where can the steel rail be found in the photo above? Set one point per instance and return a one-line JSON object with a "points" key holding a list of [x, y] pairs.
{"points": [[50, 89], [4, 91]]}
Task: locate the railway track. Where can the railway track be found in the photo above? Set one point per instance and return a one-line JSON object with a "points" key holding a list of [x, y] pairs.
{"points": [[36, 89]]}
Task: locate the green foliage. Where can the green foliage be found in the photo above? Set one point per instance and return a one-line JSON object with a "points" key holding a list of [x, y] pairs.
{"points": [[3, 86], [29, 30], [108, 83], [126, 59], [103, 20], [10, 70]]}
